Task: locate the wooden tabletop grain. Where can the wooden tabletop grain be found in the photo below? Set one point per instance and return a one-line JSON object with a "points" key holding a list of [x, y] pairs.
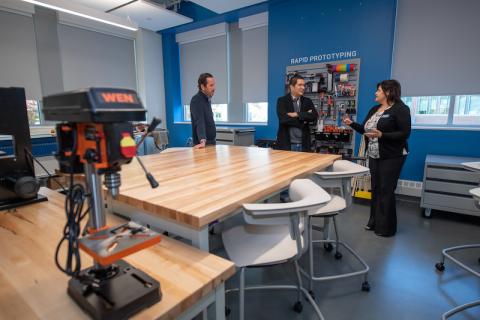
{"points": [[199, 186], [31, 287]]}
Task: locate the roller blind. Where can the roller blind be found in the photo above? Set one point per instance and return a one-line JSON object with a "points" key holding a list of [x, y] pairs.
{"points": [[18, 54], [206, 55], [255, 64], [436, 47], [95, 59]]}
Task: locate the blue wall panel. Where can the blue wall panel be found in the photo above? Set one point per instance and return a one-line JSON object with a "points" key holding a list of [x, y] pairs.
{"points": [[312, 27]]}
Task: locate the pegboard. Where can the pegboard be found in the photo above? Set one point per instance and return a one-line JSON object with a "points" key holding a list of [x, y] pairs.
{"points": [[333, 88]]}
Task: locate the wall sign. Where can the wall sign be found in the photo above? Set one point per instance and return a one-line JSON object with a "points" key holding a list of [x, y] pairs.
{"points": [[325, 57]]}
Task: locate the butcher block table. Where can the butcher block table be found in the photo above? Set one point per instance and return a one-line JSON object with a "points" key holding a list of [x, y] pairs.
{"points": [[31, 287], [198, 187]]}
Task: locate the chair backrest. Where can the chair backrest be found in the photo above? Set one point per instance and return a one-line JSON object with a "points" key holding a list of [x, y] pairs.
{"points": [[339, 175], [343, 169], [306, 197]]}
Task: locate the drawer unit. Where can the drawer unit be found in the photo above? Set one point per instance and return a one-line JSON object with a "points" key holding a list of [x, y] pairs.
{"points": [[446, 185], [236, 136]]}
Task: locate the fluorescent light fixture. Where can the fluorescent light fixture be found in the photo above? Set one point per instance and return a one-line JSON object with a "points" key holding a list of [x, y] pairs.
{"points": [[59, 6]]}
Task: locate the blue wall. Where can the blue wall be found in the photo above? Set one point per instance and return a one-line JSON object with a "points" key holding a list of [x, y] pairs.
{"points": [[311, 27], [306, 28], [444, 142]]}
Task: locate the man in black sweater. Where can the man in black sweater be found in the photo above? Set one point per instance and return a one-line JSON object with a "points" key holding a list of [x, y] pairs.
{"points": [[203, 125], [295, 114]]}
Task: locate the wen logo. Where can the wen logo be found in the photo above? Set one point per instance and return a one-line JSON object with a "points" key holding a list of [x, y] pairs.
{"points": [[115, 97]]}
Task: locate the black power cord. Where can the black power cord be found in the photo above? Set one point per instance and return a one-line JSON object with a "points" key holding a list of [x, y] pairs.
{"points": [[74, 201], [71, 232]]}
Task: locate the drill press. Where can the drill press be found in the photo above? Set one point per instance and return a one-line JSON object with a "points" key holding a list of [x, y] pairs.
{"points": [[95, 138]]}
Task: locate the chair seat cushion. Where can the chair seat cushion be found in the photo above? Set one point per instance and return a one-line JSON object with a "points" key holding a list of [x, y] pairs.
{"points": [[251, 245], [335, 205]]}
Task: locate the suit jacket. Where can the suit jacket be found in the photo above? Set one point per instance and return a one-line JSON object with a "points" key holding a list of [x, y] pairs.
{"points": [[203, 125], [395, 125], [306, 116]]}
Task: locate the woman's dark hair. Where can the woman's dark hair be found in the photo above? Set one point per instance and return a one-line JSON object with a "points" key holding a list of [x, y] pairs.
{"points": [[294, 79], [202, 79], [392, 90]]}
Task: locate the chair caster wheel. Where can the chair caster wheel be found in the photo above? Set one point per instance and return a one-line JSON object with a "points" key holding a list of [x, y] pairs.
{"points": [[312, 294], [227, 311], [366, 286], [440, 266], [328, 247], [298, 307], [338, 255]]}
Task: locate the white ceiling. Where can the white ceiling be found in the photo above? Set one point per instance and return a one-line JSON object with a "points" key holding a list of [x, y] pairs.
{"points": [[150, 16], [222, 6], [147, 15], [103, 5], [154, 17]]}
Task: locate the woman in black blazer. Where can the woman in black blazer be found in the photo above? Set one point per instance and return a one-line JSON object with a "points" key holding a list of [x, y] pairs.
{"points": [[386, 129]]}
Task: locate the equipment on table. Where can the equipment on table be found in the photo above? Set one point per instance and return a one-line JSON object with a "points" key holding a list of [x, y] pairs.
{"points": [[18, 185], [95, 138]]}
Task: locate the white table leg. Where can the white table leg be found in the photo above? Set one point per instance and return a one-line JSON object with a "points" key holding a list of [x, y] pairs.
{"points": [[220, 302], [200, 239]]}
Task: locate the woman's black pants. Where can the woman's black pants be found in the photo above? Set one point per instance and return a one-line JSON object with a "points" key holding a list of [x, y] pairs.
{"points": [[384, 176]]}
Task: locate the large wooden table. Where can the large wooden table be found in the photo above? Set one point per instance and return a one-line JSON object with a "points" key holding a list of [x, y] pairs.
{"points": [[201, 186], [31, 287]]}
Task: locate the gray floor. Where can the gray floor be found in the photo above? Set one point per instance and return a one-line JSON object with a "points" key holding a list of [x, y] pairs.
{"points": [[404, 282]]}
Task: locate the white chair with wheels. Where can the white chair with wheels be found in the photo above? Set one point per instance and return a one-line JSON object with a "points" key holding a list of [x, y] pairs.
{"points": [[339, 175], [473, 166], [275, 234]]}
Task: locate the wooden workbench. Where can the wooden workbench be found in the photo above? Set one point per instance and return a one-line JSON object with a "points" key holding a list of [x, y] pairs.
{"points": [[200, 186], [31, 287]]}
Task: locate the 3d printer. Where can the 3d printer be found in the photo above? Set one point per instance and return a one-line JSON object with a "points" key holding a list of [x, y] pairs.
{"points": [[95, 137]]}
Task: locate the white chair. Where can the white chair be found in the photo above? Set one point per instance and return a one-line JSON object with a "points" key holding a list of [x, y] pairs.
{"points": [[473, 166], [274, 234], [339, 175]]}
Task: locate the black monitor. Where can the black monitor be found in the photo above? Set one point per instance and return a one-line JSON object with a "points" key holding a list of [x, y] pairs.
{"points": [[18, 185]]}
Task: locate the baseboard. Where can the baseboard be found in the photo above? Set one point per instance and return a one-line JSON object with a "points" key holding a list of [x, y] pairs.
{"points": [[409, 188]]}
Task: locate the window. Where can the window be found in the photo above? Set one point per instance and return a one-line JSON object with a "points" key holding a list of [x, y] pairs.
{"points": [[257, 112], [186, 113], [220, 112], [467, 110], [428, 110], [445, 111], [33, 112]]}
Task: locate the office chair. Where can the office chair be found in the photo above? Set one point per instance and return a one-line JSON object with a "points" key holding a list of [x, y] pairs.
{"points": [[275, 234]]}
